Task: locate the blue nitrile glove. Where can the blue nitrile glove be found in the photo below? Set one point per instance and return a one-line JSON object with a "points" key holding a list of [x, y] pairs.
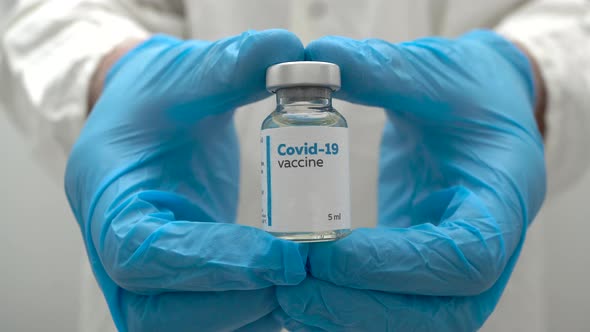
{"points": [[462, 175], [153, 182]]}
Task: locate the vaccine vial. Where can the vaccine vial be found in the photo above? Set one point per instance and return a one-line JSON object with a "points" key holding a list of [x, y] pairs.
{"points": [[305, 158]]}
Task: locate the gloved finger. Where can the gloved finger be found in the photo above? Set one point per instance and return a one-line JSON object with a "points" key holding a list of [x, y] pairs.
{"points": [[458, 248], [335, 308], [190, 311], [199, 78], [374, 72], [150, 244], [414, 76]]}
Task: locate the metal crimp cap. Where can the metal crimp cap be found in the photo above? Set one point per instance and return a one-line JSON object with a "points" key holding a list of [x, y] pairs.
{"points": [[303, 73]]}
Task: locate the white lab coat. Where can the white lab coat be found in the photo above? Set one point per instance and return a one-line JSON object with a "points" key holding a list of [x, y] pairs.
{"points": [[49, 50]]}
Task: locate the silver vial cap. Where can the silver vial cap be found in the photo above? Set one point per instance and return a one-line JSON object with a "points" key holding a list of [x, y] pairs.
{"points": [[303, 73]]}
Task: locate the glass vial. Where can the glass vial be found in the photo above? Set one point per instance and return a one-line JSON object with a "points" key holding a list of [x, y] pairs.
{"points": [[305, 160]]}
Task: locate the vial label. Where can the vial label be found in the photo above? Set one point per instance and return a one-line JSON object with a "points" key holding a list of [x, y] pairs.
{"points": [[305, 179]]}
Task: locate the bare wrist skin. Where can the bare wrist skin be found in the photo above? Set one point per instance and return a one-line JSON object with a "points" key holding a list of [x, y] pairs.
{"points": [[540, 91], [105, 64]]}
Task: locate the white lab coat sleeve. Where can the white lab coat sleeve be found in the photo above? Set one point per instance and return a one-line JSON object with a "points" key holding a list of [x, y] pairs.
{"points": [[557, 34], [48, 53]]}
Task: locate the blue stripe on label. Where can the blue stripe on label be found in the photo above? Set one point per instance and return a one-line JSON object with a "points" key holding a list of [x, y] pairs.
{"points": [[268, 186]]}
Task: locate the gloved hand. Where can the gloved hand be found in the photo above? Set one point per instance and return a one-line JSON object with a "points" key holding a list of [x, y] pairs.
{"points": [[153, 182], [461, 177]]}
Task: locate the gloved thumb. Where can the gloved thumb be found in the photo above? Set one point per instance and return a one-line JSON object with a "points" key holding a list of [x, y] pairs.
{"points": [[374, 72], [191, 79], [422, 75]]}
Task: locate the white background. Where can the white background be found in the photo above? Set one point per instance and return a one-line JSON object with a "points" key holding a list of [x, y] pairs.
{"points": [[40, 244]]}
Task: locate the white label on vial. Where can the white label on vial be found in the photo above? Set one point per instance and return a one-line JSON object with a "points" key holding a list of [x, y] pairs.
{"points": [[305, 179]]}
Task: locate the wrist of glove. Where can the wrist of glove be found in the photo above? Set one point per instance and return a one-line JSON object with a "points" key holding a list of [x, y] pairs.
{"points": [[540, 92], [105, 64]]}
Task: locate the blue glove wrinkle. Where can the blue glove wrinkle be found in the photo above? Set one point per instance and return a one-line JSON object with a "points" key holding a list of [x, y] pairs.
{"points": [[240, 308], [291, 324], [424, 259], [463, 255], [136, 252], [267, 323], [333, 308]]}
